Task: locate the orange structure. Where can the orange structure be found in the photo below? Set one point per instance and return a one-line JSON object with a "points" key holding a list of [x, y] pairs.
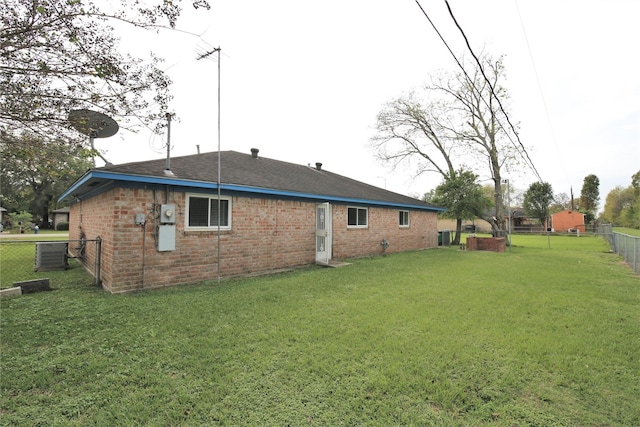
{"points": [[568, 220]]}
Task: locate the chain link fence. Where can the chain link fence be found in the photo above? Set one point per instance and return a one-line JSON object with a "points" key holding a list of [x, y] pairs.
{"points": [[628, 247], [22, 260]]}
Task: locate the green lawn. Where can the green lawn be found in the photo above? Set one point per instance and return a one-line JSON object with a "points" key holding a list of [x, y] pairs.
{"points": [[17, 261], [626, 230], [30, 235], [536, 337]]}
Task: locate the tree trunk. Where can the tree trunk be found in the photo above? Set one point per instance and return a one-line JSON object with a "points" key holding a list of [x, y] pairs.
{"points": [[497, 222], [456, 239]]}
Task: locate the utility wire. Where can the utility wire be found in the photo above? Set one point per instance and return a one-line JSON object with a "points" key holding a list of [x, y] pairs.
{"points": [[535, 72], [524, 150], [445, 43], [471, 81]]}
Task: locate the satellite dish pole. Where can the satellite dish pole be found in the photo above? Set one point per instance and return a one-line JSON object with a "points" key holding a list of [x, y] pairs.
{"points": [[95, 125], [167, 168]]}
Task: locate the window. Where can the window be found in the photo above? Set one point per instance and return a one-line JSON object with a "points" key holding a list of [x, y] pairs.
{"points": [[202, 212], [357, 217], [403, 219]]}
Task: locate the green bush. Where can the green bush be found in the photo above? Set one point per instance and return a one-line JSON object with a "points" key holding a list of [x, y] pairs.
{"points": [[19, 219], [62, 226]]}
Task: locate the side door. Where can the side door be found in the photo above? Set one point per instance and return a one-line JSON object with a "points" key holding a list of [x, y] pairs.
{"points": [[323, 233]]}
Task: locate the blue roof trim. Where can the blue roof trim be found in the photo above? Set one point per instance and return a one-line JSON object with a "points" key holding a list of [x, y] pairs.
{"points": [[134, 178], [177, 182], [86, 177], [324, 198]]}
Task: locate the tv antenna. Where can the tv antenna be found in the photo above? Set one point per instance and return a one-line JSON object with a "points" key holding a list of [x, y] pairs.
{"points": [[95, 125]]}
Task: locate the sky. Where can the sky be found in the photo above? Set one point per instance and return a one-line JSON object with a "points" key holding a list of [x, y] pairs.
{"points": [[304, 81]]}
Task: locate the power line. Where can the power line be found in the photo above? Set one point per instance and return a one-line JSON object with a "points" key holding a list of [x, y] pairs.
{"points": [[535, 72], [493, 91], [474, 86]]}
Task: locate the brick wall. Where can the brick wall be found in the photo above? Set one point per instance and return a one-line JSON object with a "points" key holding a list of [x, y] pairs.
{"points": [[494, 244], [565, 220], [92, 218], [382, 224], [266, 235]]}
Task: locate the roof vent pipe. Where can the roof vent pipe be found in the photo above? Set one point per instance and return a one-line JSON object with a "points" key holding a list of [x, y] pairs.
{"points": [[254, 153], [318, 165]]}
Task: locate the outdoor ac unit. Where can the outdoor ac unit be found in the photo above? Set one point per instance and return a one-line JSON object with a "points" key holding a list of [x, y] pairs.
{"points": [[51, 256]]}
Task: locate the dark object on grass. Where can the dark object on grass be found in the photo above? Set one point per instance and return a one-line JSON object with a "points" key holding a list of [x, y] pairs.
{"points": [[32, 286]]}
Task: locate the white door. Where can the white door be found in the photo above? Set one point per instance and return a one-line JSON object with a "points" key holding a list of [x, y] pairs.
{"points": [[323, 233]]}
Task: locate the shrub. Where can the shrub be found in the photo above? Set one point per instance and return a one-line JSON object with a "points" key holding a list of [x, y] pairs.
{"points": [[62, 226]]}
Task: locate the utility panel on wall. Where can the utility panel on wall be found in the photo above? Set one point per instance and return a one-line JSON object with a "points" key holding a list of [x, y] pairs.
{"points": [[168, 214], [166, 238]]}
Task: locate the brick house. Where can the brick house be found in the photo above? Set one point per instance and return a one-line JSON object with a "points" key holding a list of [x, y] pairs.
{"points": [[162, 227], [568, 220], [60, 215]]}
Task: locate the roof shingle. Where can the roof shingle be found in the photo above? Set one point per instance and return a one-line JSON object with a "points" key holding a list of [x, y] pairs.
{"points": [[245, 170]]}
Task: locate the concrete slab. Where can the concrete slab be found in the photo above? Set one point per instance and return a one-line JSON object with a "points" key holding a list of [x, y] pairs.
{"points": [[10, 292]]}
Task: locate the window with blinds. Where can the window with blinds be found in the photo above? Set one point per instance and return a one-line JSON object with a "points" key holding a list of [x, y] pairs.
{"points": [[205, 212]]}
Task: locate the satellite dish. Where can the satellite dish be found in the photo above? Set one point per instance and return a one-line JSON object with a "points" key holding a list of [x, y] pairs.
{"points": [[93, 124]]}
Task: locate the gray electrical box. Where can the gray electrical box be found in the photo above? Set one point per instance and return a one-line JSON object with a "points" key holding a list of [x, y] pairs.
{"points": [[166, 238], [140, 219], [167, 214]]}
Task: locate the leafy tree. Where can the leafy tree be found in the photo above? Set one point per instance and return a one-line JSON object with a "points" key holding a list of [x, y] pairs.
{"points": [[560, 203], [57, 56], [537, 200], [34, 171], [461, 118], [619, 201], [635, 183], [463, 197], [20, 221], [590, 196], [405, 130], [428, 196], [622, 206], [634, 211]]}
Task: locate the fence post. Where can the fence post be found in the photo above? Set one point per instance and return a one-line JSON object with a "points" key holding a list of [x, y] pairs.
{"points": [[98, 256]]}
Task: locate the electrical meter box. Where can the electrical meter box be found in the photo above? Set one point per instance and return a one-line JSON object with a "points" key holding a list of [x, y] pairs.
{"points": [[167, 214], [166, 238]]}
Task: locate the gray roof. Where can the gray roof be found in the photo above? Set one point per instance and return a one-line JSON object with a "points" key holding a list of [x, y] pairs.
{"points": [[244, 173]]}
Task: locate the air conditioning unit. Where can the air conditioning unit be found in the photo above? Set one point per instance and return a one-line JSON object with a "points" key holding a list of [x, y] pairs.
{"points": [[51, 256]]}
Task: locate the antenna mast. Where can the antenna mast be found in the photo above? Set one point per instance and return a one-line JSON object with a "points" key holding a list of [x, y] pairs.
{"points": [[168, 164], [204, 55]]}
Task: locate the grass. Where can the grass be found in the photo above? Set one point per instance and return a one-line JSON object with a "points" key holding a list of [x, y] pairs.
{"points": [[627, 230], [44, 234], [538, 336], [17, 262]]}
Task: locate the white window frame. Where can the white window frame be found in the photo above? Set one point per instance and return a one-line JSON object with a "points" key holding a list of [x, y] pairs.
{"points": [[358, 209], [400, 215], [210, 198]]}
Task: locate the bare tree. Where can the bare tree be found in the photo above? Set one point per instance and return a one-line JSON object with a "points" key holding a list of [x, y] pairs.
{"points": [[461, 121], [407, 130]]}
